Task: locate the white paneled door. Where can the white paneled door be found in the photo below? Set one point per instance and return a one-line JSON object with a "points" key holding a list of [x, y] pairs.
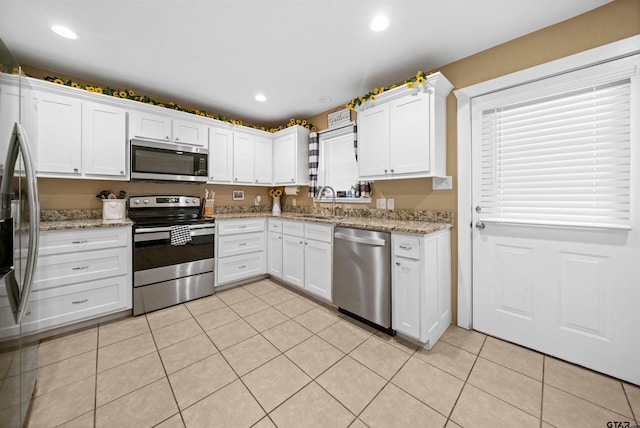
{"points": [[568, 286]]}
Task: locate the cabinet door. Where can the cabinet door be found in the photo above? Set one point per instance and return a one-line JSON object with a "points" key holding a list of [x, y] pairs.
{"points": [[189, 133], [148, 125], [284, 160], [263, 167], [59, 138], [373, 142], [409, 130], [243, 154], [220, 155], [317, 268], [275, 255], [293, 260], [9, 115], [406, 296], [104, 140]]}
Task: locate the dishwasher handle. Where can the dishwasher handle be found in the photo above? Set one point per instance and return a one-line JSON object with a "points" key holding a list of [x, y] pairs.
{"points": [[360, 240]]}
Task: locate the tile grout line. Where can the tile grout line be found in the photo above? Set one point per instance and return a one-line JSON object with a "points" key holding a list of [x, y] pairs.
{"points": [[95, 389], [544, 363], [465, 381]]}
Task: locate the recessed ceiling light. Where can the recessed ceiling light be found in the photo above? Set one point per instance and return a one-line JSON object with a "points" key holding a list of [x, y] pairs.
{"points": [[261, 98], [379, 23], [64, 32], [325, 99]]}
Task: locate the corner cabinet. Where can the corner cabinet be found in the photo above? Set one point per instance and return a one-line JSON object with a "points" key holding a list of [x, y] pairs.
{"points": [[291, 157], [402, 134], [421, 285]]}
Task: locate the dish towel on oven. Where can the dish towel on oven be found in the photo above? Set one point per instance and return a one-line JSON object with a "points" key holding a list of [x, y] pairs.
{"points": [[180, 235]]}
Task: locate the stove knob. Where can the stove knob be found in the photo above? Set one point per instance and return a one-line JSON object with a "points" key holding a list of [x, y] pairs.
{"points": [[136, 201], [146, 201], [194, 201]]}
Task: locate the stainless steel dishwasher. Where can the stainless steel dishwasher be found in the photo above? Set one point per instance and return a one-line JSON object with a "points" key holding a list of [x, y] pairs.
{"points": [[362, 275]]}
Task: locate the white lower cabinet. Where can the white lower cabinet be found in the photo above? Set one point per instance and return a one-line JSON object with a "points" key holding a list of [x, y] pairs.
{"points": [[421, 285], [293, 260], [240, 249], [274, 248], [307, 257], [80, 274]]}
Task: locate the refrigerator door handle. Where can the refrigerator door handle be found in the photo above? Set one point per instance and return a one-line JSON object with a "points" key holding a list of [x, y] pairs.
{"points": [[19, 143]]}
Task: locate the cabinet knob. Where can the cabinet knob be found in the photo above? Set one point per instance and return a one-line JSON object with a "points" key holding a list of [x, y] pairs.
{"points": [[279, 237], [397, 263], [177, 139], [235, 179], [256, 181], [292, 180], [385, 171], [75, 169], [167, 138], [392, 171], [300, 242], [121, 172]]}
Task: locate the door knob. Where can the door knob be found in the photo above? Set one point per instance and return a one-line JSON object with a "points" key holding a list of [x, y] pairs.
{"points": [[480, 225]]}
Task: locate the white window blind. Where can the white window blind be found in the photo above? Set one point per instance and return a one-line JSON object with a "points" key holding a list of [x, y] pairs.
{"points": [[561, 159]]}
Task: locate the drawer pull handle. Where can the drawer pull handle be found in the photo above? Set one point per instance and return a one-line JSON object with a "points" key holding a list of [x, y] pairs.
{"points": [[405, 247], [80, 268], [242, 226], [242, 244], [79, 242], [242, 267], [76, 302]]}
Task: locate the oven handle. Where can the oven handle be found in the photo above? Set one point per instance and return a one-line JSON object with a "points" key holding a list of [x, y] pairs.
{"points": [[166, 234], [211, 227]]}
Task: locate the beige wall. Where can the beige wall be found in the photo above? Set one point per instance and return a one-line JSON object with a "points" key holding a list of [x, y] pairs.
{"points": [[614, 21]]}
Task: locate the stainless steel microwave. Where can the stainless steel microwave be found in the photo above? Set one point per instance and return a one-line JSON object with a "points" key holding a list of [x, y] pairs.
{"points": [[151, 160]]}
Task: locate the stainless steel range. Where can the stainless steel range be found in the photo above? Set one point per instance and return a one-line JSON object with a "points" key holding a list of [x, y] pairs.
{"points": [[173, 254]]}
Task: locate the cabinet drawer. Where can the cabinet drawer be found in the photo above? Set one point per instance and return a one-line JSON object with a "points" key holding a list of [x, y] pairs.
{"points": [[245, 243], [240, 267], [232, 227], [295, 228], [318, 232], [274, 225], [71, 303], [406, 246], [64, 269], [64, 241]]}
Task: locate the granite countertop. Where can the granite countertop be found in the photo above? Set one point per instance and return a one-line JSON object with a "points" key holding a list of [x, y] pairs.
{"points": [[82, 224], [382, 224], [77, 219], [406, 221]]}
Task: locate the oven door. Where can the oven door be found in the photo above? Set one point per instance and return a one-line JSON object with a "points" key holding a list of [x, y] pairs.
{"points": [[152, 160], [156, 260]]}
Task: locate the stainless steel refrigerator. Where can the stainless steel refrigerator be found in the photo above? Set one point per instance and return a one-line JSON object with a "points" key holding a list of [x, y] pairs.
{"points": [[19, 232]]}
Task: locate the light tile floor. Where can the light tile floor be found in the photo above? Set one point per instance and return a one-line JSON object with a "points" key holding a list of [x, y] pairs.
{"points": [[263, 355]]}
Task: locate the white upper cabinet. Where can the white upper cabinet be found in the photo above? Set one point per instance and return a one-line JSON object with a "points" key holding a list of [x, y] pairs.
{"points": [[187, 132], [77, 138], [243, 158], [220, 155], [291, 157], [149, 126], [263, 165], [104, 139], [59, 135], [403, 133]]}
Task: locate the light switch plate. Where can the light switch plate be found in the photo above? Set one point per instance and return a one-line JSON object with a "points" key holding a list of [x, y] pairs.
{"points": [[381, 204], [442, 183], [391, 203]]}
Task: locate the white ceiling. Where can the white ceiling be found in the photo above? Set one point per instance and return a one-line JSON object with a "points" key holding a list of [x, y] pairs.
{"points": [[217, 54]]}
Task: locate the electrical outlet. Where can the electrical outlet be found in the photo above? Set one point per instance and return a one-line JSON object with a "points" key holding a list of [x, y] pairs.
{"points": [[381, 204], [293, 202], [391, 203]]}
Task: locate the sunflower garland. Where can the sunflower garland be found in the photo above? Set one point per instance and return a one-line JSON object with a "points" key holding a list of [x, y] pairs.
{"points": [[419, 78], [130, 94]]}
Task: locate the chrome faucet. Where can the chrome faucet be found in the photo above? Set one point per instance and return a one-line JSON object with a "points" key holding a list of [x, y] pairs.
{"points": [[333, 199]]}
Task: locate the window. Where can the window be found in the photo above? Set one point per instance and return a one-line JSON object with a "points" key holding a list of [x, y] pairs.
{"points": [[338, 167], [558, 151]]}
